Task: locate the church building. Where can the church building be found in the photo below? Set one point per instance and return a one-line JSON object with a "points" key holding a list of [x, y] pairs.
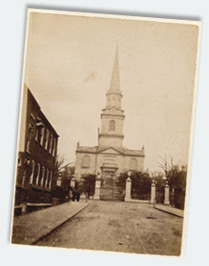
{"points": [[109, 158]]}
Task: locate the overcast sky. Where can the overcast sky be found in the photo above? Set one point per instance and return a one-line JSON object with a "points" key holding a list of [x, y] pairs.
{"points": [[68, 68]]}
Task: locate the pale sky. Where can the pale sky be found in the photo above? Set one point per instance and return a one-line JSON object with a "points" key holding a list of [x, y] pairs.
{"points": [[69, 62]]}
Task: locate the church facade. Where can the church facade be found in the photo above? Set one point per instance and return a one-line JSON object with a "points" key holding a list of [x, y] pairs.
{"points": [[109, 158]]}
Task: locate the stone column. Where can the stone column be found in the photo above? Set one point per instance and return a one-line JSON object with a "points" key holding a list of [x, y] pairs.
{"points": [[97, 189], [166, 196], [24, 208], [153, 192], [72, 182], [128, 189]]}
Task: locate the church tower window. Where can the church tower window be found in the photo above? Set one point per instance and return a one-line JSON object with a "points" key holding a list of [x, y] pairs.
{"points": [[112, 125], [86, 161]]}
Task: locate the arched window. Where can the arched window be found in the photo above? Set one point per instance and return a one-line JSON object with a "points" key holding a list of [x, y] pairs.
{"points": [[133, 164], [112, 125], [86, 161]]}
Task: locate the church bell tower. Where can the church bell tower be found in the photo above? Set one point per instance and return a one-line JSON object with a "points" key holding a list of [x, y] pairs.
{"points": [[112, 116]]}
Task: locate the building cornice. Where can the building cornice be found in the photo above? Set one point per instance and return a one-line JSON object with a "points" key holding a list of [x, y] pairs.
{"points": [[114, 92], [119, 153], [118, 115], [111, 136]]}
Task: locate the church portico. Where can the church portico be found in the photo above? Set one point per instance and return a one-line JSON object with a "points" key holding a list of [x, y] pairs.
{"points": [[109, 158]]}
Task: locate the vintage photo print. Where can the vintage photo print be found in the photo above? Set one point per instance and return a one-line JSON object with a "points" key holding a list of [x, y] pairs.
{"points": [[105, 132]]}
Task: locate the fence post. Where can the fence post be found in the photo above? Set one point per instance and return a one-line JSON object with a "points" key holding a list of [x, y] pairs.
{"points": [[128, 189], [153, 192], [166, 196], [97, 187]]}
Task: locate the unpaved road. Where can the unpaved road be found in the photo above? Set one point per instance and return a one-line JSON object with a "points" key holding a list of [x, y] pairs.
{"points": [[120, 226]]}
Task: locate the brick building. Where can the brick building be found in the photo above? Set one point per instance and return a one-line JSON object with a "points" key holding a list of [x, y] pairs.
{"points": [[37, 152]]}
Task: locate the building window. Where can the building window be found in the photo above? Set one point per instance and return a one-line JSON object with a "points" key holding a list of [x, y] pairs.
{"points": [[86, 161], [23, 179], [19, 161], [47, 139], [50, 180], [47, 179], [32, 116], [112, 125], [50, 143], [54, 147], [52, 151], [42, 176], [32, 172], [28, 146], [38, 173], [133, 164], [42, 136], [36, 136]]}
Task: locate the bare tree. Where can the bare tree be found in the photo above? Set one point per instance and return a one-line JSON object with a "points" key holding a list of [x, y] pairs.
{"points": [[59, 161], [176, 176]]}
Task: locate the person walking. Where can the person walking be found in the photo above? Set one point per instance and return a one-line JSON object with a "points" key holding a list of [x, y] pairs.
{"points": [[74, 195], [78, 196]]}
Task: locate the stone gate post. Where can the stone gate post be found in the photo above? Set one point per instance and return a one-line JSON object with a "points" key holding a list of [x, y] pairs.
{"points": [[97, 187], [153, 192], [166, 196], [72, 182], [128, 189]]}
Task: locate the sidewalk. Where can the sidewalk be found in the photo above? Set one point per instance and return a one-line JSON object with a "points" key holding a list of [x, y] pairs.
{"points": [[28, 229], [170, 210]]}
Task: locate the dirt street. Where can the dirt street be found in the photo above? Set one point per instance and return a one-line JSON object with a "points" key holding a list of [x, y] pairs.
{"points": [[120, 226]]}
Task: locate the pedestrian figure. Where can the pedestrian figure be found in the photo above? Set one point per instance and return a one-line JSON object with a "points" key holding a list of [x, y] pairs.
{"points": [[78, 196], [74, 195], [86, 196]]}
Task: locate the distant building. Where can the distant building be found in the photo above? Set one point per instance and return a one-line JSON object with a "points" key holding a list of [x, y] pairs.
{"points": [[36, 157], [109, 158]]}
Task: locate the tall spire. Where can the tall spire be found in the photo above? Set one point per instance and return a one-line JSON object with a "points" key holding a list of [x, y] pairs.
{"points": [[115, 80], [114, 95], [112, 116]]}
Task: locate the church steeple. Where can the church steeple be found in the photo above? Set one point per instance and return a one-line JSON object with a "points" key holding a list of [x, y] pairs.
{"points": [[115, 80], [114, 94], [112, 115]]}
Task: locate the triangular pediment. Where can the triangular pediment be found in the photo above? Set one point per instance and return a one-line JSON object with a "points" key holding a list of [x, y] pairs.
{"points": [[110, 150]]}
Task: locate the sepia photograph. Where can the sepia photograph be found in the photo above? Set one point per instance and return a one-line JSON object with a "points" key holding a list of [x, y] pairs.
{"points": [[105, 132]]}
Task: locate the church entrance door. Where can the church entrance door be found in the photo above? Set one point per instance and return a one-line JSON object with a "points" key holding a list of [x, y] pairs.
{"points": [[109, 189]]}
